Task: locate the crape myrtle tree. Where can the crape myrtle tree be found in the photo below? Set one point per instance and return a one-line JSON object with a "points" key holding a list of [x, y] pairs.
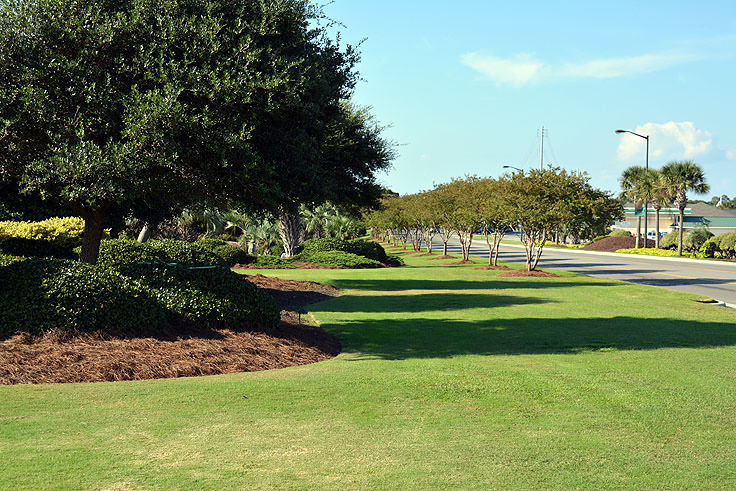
{"points": [[547, 200], [103, 103], [442, 203], [495, 213], [465, 218]]}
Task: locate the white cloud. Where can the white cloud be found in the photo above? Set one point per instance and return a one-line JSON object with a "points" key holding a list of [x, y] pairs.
{"points": [[667, 141], [515, 71], [731, 155], [522, 69]]}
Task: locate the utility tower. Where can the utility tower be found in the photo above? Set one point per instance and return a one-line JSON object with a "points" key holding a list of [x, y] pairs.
{"points": [[540, 133]]}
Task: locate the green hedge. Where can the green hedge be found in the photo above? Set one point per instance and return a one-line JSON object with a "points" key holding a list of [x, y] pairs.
{"points": [[64, 232], [368, 249], [231, 254], [45, 294], [336, 258], [40, 295], [670, 241], [18, 246], [118, 253]]}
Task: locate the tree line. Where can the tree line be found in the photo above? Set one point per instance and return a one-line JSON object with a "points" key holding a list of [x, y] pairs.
{"points": [[540, 204]]}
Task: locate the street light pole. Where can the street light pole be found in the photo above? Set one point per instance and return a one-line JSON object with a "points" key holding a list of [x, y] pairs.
{"points": [[646, 200]]}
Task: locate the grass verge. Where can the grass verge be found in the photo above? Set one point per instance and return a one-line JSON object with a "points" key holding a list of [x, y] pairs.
{"points": [[450, 377]]}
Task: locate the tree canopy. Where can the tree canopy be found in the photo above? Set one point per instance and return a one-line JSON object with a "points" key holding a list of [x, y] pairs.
{"points": [[104, 103]]}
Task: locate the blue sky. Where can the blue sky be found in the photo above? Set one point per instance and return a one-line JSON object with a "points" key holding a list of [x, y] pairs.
{"points": [[465, 85]]}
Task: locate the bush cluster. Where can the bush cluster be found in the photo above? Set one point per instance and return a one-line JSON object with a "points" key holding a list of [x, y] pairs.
{"points": [[118, 253], [134, 286], [367, 249], [723, 245], [670, 240], [229, 253], [336, 258], [618, 233], [19, 246], [64, 232]]}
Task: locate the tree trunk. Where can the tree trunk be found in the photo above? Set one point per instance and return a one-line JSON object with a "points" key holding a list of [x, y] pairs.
{"points": [[444, 247], [94, 223], [656, 239], [638, 232], [289, 229], [679, 243]]}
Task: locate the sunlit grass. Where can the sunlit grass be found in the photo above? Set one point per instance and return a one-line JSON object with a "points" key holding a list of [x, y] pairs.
{"points": [[450, 377]]}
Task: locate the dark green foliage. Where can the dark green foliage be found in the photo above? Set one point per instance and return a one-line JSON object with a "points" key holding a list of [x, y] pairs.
{"points": [[368, 249], [393, 260], [709, 248], [619, 233], [695, 238], [118, 253], [726, 244], [229, 253], [669, 241], [17, 246], [336, 258], [214, 297], [44, 294], [600, 237]]}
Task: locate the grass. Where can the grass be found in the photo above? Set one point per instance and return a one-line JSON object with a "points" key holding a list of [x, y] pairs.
{"points": [[450, 377]]}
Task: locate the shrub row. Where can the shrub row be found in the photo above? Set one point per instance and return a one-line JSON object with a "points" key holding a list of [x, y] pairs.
{"points": [[118, 253], [723, 245], [655, 252], [20, 246], [367, 249], [336, 258], [229, 253], [64, 232]]}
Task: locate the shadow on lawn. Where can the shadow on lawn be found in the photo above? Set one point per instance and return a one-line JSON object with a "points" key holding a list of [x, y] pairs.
{"points": [[430, 302], [438, 338], [490, 284]]}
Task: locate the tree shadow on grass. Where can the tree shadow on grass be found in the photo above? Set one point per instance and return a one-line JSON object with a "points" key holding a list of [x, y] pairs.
{"points": [[446, 337], [490, 284], [429, 302]]}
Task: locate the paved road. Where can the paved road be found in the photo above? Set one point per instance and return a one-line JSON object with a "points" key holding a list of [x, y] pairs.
{"points": [[714, 279]]}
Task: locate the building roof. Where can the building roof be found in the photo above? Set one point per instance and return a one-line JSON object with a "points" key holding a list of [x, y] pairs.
{"points": [[706, 210], [713, 222]]}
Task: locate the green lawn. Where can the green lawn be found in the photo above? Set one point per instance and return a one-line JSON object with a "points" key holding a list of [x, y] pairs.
{"points": [[450, 377]]}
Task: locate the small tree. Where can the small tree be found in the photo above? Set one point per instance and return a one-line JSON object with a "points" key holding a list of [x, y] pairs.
{"points": [[495, 214]]}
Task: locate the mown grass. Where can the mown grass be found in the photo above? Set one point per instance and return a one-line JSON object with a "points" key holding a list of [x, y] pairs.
{"points": [[450, 377]]}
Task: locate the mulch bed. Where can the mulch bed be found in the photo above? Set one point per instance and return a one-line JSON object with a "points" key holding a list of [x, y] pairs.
{"points": [[612, 244], [462, 261], [185, 351], [442, 257], [496, 268], [525, 273]]}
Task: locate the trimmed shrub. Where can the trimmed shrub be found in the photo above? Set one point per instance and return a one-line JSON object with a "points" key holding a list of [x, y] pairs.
{"points": [[670, 240], [394, 260], [18, 246], [214, 297], [119, 253], [336, 258], [270, 262], [726, 244], [367, 249], [708, 249], [44, 294], [695, 238], [619, 233], [64, 232], [231, 254], [600, 237]]}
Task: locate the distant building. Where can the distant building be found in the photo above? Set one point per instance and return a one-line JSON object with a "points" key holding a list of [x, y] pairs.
{"points": [[718, 220]]}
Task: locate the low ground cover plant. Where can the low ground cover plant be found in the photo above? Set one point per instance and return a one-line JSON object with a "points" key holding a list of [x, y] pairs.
{"points": [[368, 249], [650, 251]]}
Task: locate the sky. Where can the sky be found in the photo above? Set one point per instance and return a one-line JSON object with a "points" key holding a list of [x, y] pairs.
{"points": [[463, 87]]}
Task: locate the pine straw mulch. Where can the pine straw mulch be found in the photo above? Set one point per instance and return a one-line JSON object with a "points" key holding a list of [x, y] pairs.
{"points": [[612, 244], [185, 351]]}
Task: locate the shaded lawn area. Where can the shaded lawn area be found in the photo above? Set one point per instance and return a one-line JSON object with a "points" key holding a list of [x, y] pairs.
{"points": [[450, 377]]}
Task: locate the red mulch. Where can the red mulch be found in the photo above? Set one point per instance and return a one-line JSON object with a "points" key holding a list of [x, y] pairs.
{"points": [[612, 244], [185, 351], [441, 257], [427, 254], [525, 273], [462, 261], [495, 268]]}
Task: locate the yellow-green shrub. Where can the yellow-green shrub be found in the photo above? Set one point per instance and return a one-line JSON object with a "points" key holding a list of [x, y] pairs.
{"points": [[65, 232], [654, 252]]}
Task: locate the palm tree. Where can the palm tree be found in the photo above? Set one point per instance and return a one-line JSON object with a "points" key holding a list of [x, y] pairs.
{"points": [[681, 177], [634, 187], [264, 234], [660, 197]]}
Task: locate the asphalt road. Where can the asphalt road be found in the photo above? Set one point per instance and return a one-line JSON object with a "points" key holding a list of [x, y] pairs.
{"points": [[715, 279]]}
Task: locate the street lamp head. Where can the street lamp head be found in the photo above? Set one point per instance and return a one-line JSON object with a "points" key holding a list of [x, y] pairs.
{"points": [[621, 131]]}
